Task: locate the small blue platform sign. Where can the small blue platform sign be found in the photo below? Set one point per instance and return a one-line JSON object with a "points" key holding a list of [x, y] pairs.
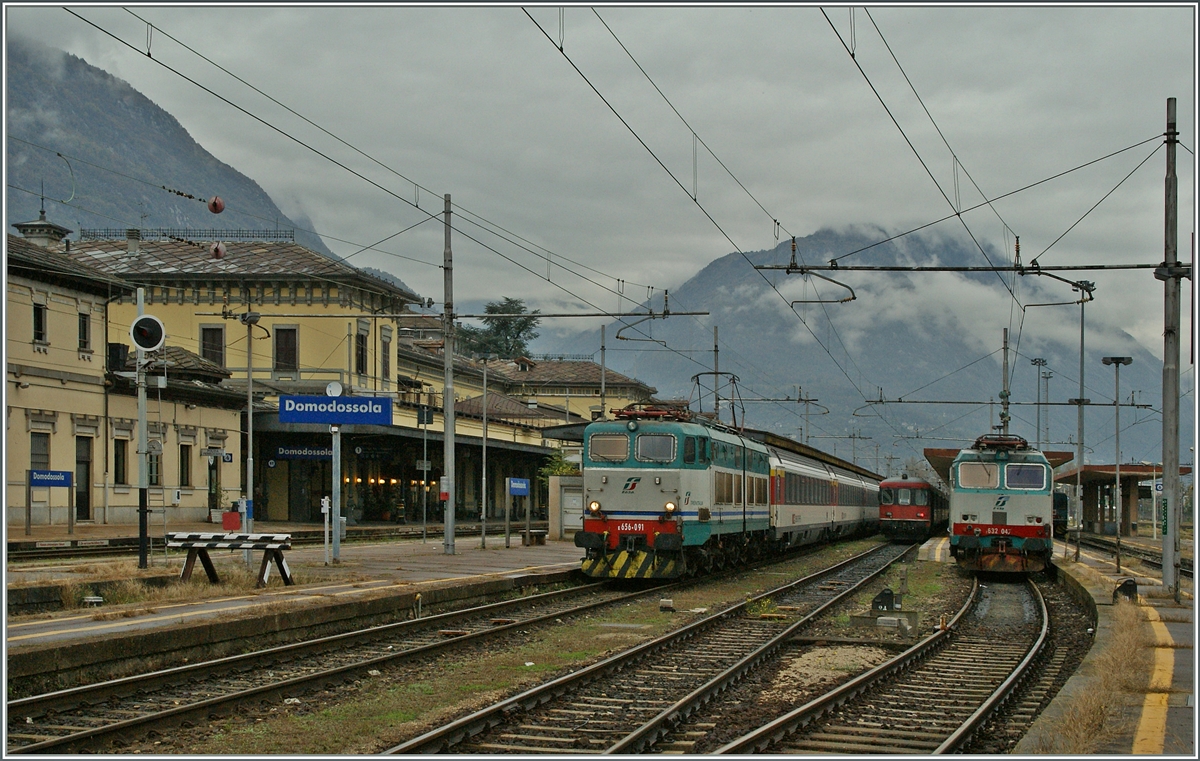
{"points": [[518, 487], [336, 410], [49, 478]]}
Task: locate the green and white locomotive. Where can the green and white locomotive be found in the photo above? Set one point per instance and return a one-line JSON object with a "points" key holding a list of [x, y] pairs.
{"points": [[1001, 506], [668, 494]]}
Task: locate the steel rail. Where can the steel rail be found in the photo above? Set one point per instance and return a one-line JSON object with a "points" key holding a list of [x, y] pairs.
{"points": [[779, 729], [72, 698], [649, 733], [961, 735], [444, 737], [1148, 556]]}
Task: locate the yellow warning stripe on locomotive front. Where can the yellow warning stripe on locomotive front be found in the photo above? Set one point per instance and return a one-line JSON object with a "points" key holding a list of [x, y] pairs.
{"points": [[632, 565]]}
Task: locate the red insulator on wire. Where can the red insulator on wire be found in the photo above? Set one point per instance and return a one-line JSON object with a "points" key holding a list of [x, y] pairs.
{"points": [[216, 205]]}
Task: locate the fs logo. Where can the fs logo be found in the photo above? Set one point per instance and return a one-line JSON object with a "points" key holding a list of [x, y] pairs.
{"points": [[687, 498], [1002, 500], [630, 484]]}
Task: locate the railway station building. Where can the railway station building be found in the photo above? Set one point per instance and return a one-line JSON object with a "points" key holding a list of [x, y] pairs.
{"points": [[321, 320], [67, 410]]}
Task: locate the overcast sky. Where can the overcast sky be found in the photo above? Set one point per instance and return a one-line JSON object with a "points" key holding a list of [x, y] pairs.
{"points": [[480, 103]]}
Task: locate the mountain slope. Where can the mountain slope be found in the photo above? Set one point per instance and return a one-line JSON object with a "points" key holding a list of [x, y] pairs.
{"points": [[907, 335], [123, 150]]}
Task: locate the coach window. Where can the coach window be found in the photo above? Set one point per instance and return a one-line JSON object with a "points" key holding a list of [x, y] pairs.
{"points": [[655, 447], [611, 447], [1025, 476], [978, 475]]}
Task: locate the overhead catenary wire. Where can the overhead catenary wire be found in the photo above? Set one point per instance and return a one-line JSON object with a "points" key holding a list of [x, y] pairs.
{"points": [[481, 221], [957, 163], [1033, 262], [320, 153], [697, 203], [958, 215], [997, 198]]}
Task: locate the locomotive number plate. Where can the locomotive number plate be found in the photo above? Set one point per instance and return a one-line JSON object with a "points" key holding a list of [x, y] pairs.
{"points": [[631, 527], [995, 531]]}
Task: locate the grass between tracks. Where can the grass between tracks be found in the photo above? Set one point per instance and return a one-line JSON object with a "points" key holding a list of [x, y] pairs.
{"points": [[389, 707]]}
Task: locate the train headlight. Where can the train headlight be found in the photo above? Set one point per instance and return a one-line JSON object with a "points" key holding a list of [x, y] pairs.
{"points": [[594, 507], [670, 507]]}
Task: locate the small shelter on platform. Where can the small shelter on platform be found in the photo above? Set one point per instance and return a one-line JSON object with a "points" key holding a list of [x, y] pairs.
{"points": [[1099, 493]]}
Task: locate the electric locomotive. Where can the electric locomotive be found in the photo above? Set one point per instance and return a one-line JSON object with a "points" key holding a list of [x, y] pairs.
{"points": [[912, 509], [1001, 506], [668, 494], [665, 496]]}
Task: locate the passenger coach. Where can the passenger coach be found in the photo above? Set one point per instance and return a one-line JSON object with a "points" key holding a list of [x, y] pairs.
{"points": [[912, 509]]}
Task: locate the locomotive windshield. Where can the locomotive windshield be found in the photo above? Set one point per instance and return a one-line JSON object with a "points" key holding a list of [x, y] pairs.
{"points": [[656, 447], [978, 475], [920, 497], [613, 447], [1025, 475], [904, 496], [885, 497]]}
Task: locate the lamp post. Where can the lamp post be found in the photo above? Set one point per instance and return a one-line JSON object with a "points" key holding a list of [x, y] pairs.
{"points": [[249, 319], [1085, 288], [1039, 363], [483, 487], [1117, 362]]}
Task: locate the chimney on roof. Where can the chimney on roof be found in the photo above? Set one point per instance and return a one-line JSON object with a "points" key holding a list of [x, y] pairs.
{"points": [[133, 240]]}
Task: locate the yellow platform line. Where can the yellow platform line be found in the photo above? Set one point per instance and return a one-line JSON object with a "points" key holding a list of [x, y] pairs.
{"points": [[1152, 726]]}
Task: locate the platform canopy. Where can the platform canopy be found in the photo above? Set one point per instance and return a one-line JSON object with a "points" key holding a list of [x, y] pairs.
{"points": [[1106, 473], [941, 459]]}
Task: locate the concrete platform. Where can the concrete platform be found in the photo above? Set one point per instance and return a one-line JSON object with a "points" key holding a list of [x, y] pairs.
{"points": [[364, 567]]}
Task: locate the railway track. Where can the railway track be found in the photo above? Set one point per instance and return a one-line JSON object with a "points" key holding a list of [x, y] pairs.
{"points": [[1151, 558], [92, 716], [930, 699], [624, 703]]}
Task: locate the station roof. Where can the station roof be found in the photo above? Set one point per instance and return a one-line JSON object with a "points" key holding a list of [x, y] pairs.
{"points": [[941, 459], [26, 259], [1106, 473], [175, 259]]}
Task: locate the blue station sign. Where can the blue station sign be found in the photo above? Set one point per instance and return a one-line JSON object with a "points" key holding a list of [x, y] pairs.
{"points": [[49, 478], [518, 487], [335, 410]]}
